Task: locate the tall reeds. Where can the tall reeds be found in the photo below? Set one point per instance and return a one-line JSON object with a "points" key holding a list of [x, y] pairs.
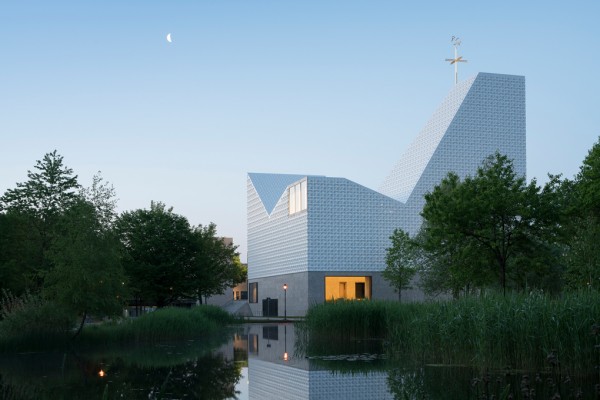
{"points": [[159, 326], [516, 331]]}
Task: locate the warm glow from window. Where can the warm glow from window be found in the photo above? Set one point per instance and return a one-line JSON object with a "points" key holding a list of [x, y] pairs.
{"points": [[347, 287]]}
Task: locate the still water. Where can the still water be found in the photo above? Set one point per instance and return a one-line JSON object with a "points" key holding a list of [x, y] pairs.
{"points": [[262, 362]]}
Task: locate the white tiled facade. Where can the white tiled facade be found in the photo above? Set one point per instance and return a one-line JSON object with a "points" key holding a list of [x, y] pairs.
{"points": [[480, 116], [345, 227]]}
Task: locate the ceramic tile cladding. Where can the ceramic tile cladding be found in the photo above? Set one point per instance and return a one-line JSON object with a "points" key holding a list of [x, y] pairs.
{"points": [[349, 225], [346, 226], [277, 241], [480, 116]]}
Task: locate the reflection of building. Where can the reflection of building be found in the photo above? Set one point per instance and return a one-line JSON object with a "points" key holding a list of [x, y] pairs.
{"points": [[271, 376], [326, 237]]}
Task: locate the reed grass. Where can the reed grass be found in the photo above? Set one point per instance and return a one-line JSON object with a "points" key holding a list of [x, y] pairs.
{"points": [[517, 331], [163, 325]]}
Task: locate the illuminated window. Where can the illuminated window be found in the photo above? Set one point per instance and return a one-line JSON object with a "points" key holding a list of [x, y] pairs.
{"points": [[298, 197], [347, 287]]}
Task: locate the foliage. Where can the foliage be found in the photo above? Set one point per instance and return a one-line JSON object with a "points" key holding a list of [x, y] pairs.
{"points": [[159, 252], [167, 259], [588, 182], [486, 331], [29, 321], [87, 277], [401, 261], [20, 253], [162, 325], [47, 193], [489, 219], [216, 266], [39, 202], [582, 228], [102, 196]]}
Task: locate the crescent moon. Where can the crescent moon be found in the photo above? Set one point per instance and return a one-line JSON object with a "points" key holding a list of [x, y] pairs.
{"points": [[169, 38]]}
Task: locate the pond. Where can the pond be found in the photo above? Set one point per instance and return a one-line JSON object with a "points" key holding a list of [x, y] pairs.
{"points": [[261, 362]]}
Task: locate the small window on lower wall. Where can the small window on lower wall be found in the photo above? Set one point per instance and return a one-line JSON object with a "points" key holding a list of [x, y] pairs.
{"points": [[253, 289], [347, 288]]}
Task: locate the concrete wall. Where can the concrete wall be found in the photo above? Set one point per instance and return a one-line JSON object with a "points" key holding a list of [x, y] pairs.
{"points": [[308, 288]]}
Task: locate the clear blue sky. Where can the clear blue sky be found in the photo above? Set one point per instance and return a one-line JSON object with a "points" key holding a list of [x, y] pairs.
{"points": [[336, 88]]}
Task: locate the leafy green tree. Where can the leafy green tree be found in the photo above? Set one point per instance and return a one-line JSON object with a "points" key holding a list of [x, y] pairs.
{"points": [[582, 227], [588, 182], [49, 191], [452, 267], [216, 265], [87, 277], [401, 261], [20, 253], [494, 215], [159, 251], [102, 196]]}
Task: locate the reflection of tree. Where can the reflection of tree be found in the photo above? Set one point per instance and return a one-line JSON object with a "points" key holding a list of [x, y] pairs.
{"points": [[205, 377], [407, 383], [208, 377]]}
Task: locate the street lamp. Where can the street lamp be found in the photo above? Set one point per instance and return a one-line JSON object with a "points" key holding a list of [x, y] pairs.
{"points": [[285, 301]]}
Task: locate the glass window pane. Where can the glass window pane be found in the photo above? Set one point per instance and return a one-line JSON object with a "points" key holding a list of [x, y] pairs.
{"points": [[298, 198], [292, 200], [304, 194]]}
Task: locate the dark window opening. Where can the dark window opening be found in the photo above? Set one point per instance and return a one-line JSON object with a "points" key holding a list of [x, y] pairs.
{"points": [[253, 289]]}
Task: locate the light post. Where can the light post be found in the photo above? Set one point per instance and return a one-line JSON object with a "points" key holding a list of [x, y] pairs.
{"points": [[285, 301]]}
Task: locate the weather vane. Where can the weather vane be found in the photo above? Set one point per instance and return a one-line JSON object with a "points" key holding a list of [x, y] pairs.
{"points": [[455, 42]]}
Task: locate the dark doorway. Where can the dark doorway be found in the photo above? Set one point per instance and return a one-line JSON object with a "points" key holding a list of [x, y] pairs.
{"points": [[269, 307], [360, 290]]}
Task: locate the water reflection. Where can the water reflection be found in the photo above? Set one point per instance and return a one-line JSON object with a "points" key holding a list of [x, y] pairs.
{"points": [[272, 375], [174, 371], [262, 362]]}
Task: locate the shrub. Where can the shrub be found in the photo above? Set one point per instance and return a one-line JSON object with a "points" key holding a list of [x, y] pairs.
{"points": [[29, 320]]}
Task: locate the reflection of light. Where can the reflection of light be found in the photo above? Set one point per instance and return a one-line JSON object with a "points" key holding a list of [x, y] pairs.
{"points": [[101, 374], [285, 356]]}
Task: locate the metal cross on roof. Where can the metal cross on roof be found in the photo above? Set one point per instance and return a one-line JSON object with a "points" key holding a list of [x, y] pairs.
{"points": [[455, 42]]}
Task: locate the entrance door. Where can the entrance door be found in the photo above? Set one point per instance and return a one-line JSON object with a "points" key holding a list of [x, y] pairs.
{"points": [[359, 290], [269, 307]]}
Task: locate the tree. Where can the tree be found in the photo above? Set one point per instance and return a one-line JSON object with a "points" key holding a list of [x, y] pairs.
{"points": [[582, 226], [39, 202], [494, 216], [159, 250], [451, 266], [47, 193], [400, 261], [102, 196], [20, 253], [87, 277], [216, 265]]}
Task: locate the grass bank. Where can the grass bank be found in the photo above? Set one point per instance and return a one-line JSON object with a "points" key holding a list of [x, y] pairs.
{"points": [[168, 324], [162, 325], [517, 331]]}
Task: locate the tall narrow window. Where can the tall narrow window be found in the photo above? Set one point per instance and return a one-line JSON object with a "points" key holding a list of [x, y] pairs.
{"points": [[292, 200], [253, 289], [304, 194], [298, 197]]}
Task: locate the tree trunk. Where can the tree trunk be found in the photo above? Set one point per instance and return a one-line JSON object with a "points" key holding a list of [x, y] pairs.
{"points": [[80, 325]]}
